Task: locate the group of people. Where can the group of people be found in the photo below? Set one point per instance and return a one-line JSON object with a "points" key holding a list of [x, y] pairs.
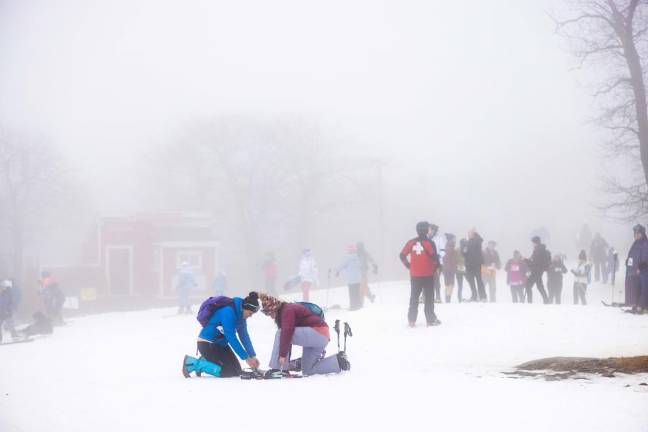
{"points": [[429, 256], [44, 319], [224, 338]]}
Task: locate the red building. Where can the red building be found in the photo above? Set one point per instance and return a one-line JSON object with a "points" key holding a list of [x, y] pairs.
{"points": [[140, 255]]}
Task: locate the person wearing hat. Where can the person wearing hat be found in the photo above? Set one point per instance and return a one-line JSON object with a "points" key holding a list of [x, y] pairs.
{"points": [[492, 263], [299, 325], [636, 284], [351, 267], [538, 264], [218, 347], [422, 265]]}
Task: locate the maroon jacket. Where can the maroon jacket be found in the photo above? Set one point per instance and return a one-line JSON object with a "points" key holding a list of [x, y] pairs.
{"points": [[295, 315]]}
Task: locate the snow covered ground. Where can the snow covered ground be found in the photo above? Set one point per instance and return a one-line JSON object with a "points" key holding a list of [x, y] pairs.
{"points": [[121, 372]]}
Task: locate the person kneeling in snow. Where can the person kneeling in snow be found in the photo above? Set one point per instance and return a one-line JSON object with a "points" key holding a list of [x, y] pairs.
{"points": [[215, 346], [298, 325]]}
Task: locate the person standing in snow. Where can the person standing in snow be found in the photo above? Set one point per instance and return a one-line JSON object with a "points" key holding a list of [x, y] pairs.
{"points": [[450, 264], [538, 264], [308, 273], [612, 264], [351, 267], [582, 274], [555, 279], [461, 268], [439, 242], [516, 276], [299, 325], [225, 334], [53, 297], [422, 265], [219, 286], [474, 261], [5, 307], [365, 260], [598, 255], [270, 273], [491, 264], [636, 281], [184, 284]]}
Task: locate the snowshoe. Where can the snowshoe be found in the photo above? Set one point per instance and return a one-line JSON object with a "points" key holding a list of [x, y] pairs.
{"points": [[295, 365], [343, 361], [252, 374]]}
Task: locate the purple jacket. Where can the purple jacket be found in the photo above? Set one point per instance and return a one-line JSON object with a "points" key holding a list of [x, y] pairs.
{"points": [[637, 261], [295, 315]]}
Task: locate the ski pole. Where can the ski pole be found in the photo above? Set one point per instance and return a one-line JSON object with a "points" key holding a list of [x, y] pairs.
{"points": [[347, 332], [337, 331]]}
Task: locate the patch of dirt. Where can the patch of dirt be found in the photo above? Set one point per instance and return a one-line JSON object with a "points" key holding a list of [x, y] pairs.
{"points": [[559, 368]]}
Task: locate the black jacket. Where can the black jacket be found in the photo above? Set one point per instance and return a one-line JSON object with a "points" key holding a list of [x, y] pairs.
{"points": [[473, 254], [540, 259], [555, 273]]}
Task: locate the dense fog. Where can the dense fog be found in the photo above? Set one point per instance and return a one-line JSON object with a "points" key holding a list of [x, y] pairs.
{"points": [[305, 124]]}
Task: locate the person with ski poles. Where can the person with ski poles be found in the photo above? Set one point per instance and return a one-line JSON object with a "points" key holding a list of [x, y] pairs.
{"points": [[422, 265], [365, 260], [298, 324], [636, 282], [351, 267], [218, 347]]}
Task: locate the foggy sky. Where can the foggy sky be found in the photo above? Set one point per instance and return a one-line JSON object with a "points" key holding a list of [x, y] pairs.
{"points": [[472, 105]]}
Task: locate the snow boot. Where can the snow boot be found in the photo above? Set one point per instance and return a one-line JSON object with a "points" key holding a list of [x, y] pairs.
{"points": [[199, 365], [343, 361], [295, 365], [436, 322]]}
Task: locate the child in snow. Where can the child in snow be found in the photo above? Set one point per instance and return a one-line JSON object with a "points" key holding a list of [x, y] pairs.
{"points": [[308, 273], [351, 267], [516, 275], [186, 282], [217, 347], [555, 279], [582, 278], [450, 263], [299, 325]]}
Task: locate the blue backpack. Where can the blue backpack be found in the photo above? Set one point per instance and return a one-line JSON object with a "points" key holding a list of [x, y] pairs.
{"points": [[211, 305], [313, 308]]}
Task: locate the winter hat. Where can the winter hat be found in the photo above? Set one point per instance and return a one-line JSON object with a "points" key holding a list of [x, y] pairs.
{"points": [[582, 255], [352, 249], [639, 229], [269, 304], [251, 302], [7, 283], [422, 228], [450, 237], [536, 240]]}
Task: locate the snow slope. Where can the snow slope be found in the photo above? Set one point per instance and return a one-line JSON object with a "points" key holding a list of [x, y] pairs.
{"points": [[121, 372]]}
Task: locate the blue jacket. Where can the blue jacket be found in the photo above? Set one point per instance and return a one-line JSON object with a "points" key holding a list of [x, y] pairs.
{"points": [[351, 267], [223, 327]]}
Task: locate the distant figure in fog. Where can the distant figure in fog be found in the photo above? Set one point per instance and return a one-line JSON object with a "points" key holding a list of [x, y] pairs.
{"points": [[555, 279], [308, 273], [598, 254], [538, 264], [351, 268], [492, 263], [185, 283], [365, 260], [53, 297], [516, 276], [219, 287], [450, 266], [582, 275], [474, 260]]}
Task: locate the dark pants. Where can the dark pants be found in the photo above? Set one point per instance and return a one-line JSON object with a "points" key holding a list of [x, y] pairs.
{"points": [[536, 279], [517, 293], [579, 293], [437, 288], [479, 292], [356, 298], [555, 291], [222, 356], [423, 284], [599, 267]]}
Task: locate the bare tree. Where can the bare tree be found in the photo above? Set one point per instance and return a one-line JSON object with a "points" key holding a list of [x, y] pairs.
{"points": [[32, 180], [612, 35]]}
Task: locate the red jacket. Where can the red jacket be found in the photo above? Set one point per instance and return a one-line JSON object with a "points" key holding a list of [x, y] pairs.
{"points": [[296, 315], [423, 258]]}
